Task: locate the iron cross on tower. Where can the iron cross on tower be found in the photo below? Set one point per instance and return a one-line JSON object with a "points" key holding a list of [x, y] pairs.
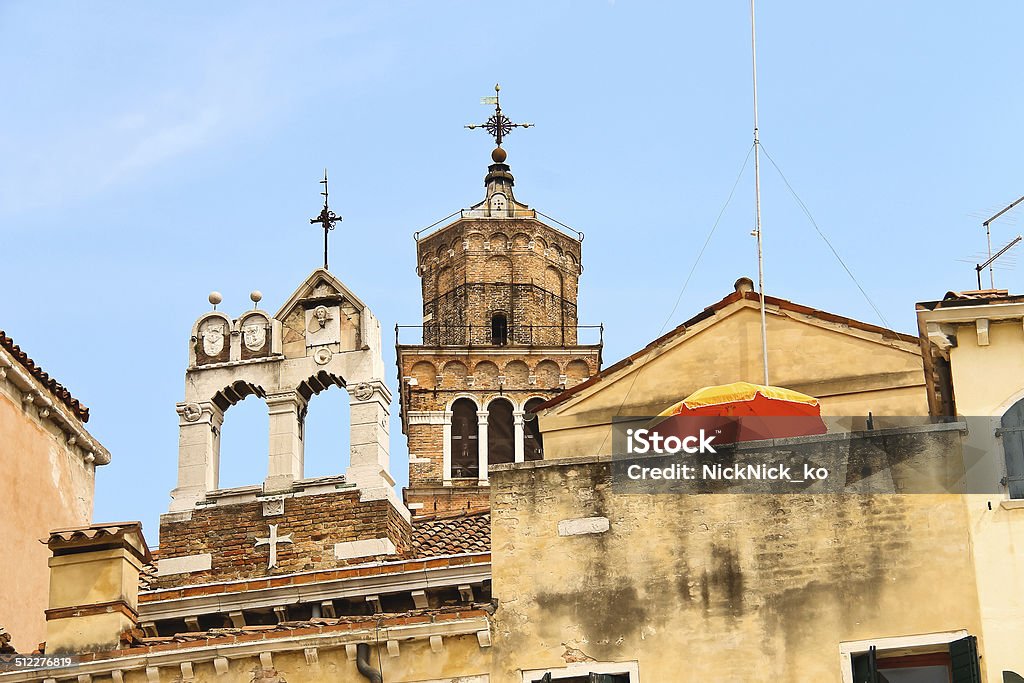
{"points": [[326, 219], [498, 125]]}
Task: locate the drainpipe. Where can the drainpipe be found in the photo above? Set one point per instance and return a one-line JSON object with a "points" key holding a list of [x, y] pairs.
{"points": [[363, 664]]}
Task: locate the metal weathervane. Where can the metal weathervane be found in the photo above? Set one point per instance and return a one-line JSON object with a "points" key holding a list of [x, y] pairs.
{"points": [[327, 218], [498, 125]]}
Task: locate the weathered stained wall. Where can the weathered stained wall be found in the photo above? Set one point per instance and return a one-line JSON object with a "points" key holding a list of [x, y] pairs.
{"points": [[731, 587], [45, 485]]}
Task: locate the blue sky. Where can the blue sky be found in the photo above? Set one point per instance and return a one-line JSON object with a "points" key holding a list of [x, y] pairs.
{"points": [[152, 153]]}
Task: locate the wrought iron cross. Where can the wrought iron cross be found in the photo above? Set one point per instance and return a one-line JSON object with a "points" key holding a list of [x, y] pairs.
{"points": [[272, 541], [498, 125], [327, 218]]}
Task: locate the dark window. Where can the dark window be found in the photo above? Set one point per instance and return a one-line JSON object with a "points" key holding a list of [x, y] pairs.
{"points": [[465, 441], [499, 329], [500, 433], [533, 443]]}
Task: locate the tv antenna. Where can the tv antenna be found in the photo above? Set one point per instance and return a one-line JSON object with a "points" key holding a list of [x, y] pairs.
{"points": [[991, 259], [988, 237]]}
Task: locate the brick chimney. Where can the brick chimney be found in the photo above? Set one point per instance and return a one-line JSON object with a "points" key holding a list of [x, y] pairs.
{"points": [[94, 586]]}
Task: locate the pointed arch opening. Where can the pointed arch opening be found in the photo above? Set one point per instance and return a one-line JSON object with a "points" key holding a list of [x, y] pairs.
{"points": [[242, 451], [465, 439], [533, 442], [499, 329], [501, 443], [325, 426]]}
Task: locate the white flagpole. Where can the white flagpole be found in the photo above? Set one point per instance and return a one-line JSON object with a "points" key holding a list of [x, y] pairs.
{"points": [[757, 200]]}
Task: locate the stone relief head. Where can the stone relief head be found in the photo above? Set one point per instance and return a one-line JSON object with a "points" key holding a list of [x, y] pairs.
{"points": [[320, 313]]}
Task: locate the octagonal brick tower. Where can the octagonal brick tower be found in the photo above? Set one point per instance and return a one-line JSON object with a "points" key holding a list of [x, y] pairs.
{"points": [[500, 334]]}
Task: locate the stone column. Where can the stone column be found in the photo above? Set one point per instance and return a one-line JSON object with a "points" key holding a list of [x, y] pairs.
{"points": [[369, 416], [482, 445], [446, 450], [199, 426], [517, 421], [286, 449]]}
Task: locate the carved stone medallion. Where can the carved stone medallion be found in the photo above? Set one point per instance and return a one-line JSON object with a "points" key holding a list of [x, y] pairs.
{"points": [[213, 338], [254, 335], [362, 391], [322, 356], [192, 412]]}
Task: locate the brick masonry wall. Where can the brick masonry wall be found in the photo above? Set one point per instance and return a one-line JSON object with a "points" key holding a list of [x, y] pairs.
{"points": [[469, 271], [315, 523]]}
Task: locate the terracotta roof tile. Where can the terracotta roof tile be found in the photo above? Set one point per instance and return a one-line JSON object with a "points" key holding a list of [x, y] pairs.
{"points": [[58, 389], [452, 534]]}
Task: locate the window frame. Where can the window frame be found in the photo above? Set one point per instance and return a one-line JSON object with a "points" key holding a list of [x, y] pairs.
{"points": [[629, 668], [847, 649]]}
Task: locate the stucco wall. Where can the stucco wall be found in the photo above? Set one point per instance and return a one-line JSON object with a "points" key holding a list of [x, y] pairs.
{"points": [[45, 485], [987, 381], [717, 587]]}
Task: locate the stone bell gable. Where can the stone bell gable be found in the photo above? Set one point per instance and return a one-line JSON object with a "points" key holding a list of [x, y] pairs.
{"points": [[323, 336]]}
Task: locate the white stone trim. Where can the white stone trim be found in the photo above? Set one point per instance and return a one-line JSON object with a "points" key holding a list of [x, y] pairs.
{"points": [[583, 525], [365, 548], [426, 417], [186, 564], [849, 648]]}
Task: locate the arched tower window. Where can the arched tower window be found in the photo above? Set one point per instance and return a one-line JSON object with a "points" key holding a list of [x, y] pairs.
{"points": [[533, 443], [500, 432], [499, 329], [465, 439]]}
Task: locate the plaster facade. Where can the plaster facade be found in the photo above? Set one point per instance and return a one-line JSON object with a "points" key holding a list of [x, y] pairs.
{"points": [[50, 465]]}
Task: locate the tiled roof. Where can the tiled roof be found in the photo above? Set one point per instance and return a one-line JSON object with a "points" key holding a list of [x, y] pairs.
{"points": [[452, 534], [58, 389]]}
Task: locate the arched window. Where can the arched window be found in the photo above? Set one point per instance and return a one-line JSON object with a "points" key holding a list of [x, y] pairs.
{"points": [[243, 444], [533, 443], [325, 434], [501, 439], [499, 329], [465, 439]]}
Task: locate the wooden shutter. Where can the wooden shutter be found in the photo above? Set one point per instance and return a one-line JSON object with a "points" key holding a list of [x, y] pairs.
{"points": [[1012, 432], [865, 667], [963, 654], [609, 678]]}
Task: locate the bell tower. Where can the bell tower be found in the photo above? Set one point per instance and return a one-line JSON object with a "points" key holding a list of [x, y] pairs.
{"points": [[500, 334]]}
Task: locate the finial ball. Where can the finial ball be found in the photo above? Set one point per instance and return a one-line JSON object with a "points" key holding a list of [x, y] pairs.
{"points": [[256, 296], [215, 298], [499, 155]]}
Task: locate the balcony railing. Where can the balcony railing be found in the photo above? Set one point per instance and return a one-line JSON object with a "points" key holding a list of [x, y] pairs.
{"points": [[512, 335]]}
